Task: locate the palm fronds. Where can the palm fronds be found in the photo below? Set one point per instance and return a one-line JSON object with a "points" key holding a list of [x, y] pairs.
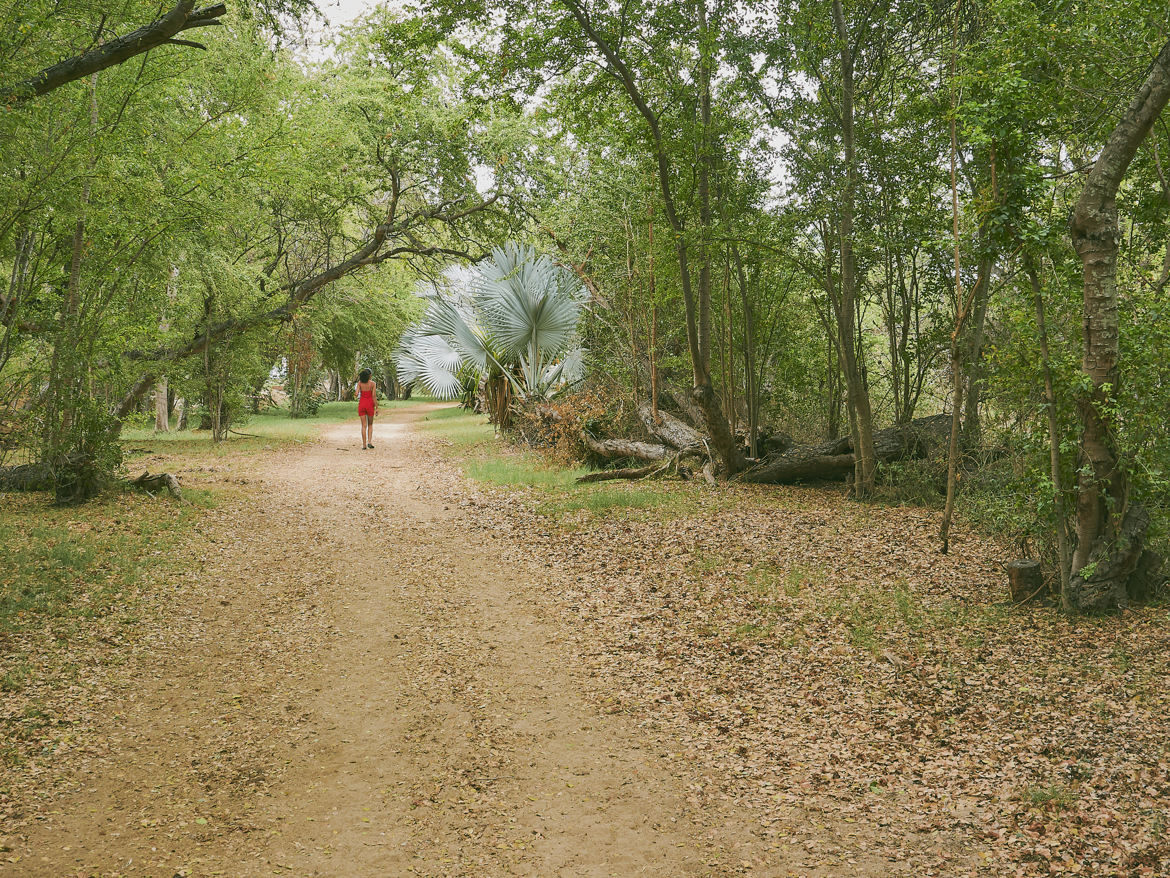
{"points": [[515, 321]]}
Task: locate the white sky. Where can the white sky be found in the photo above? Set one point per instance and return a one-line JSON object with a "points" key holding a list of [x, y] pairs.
{"points": [[341, 12], [338, 13]]}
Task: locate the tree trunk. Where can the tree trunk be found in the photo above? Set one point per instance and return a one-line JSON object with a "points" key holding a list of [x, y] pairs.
{"points": [[697, 312], [957, 377], [65, 369], [181, 414], [667, 428], [974, 390], [653, 353], [162, 421], [751, 392], [618, 449], [833, 401], [705, 159], [1025, 580], [1062, 541], [861, 419], [1110, 531]]}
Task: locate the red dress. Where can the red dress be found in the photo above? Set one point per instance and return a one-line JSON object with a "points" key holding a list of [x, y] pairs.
{"points": [[366, 403]]}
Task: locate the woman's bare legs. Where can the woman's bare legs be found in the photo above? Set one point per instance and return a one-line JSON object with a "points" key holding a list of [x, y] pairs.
{"points": [[365, 430], [370, 430]]}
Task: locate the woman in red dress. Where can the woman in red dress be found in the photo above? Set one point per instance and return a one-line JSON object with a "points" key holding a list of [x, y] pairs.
{"points": [[367, 407]]}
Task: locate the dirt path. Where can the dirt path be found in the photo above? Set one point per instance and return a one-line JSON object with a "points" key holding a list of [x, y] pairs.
{"points": [[359, 684]]}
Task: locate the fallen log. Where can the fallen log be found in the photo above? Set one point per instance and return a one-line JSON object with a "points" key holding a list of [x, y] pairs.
{"points": [[159, 481], [834, 460], [668, 429], [618, 449], [607, 475], [26, 477], [653, 470]]}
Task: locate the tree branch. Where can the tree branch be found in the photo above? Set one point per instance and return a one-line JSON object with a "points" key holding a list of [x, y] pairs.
{"points": [[159, 32]]}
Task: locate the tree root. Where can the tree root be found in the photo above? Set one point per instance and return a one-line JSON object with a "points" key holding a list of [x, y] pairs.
{"points": [[637, 473], [153, 483]]}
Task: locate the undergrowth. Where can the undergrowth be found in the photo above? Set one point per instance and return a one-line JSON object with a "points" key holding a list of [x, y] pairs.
{"points": [[66, 566], [490, 459]]}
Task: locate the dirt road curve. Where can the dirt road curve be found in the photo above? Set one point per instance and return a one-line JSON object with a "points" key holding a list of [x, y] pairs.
{"points": [[357, 684]]}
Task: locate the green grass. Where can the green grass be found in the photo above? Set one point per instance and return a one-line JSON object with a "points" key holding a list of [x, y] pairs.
{"points": [[270, 426], [63, 566], [489, 459], [1055, 795], [754, 630]]}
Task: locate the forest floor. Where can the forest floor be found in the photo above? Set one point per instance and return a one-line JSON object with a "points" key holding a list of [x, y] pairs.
{"points": [[440, 657]]}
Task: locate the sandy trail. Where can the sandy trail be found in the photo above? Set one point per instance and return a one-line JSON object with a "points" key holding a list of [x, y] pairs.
{"points": [[363, 685]]}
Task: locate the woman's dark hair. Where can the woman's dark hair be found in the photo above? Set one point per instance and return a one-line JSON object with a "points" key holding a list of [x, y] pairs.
{"points": [[364, 376]]}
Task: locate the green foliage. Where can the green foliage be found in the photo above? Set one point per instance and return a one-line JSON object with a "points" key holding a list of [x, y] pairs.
{"points": [[172, 216]]}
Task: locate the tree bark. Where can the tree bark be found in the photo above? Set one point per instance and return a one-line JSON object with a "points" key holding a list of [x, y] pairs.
{"points": [[1062, 541], [162, 421], [751, 391], [705, 158], [653, 353], [668, 429], [183, 16], [957, 377], [861, 419], [972, 428], [618, 449], [159, 482], [1110, 532], [1025, 580]]}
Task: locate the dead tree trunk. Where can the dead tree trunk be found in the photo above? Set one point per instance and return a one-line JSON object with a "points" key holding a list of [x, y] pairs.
{"points": [[621, 449], [667, 428], [158, 482], [1025, 580], [832, 461]]}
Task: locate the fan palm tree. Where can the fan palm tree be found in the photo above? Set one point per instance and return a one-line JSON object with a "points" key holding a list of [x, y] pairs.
{"points": [[510, 332]]}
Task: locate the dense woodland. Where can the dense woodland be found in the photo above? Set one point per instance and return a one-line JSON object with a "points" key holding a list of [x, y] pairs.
{"points": [[919, 246]]}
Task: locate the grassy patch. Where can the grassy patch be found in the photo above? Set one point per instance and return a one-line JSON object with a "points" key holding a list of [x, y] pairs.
{"points": [[272, 427], [68, 565], [771, 583], [1055, 796], [519, 470], [490, 459], [754, 630]]}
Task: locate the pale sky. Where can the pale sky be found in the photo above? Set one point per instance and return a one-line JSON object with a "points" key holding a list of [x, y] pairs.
{"points": [[341, 12], [338, 13]]}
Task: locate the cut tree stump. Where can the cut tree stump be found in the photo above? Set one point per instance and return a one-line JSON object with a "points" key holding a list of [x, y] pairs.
{"points": [[1025, 579]]}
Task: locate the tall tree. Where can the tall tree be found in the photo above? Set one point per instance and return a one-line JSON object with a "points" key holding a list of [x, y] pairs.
{"points": [[1110, 529]]}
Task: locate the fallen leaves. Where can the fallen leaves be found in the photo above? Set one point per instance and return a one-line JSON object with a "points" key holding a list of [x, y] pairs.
{"points": [[801, 643]]}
